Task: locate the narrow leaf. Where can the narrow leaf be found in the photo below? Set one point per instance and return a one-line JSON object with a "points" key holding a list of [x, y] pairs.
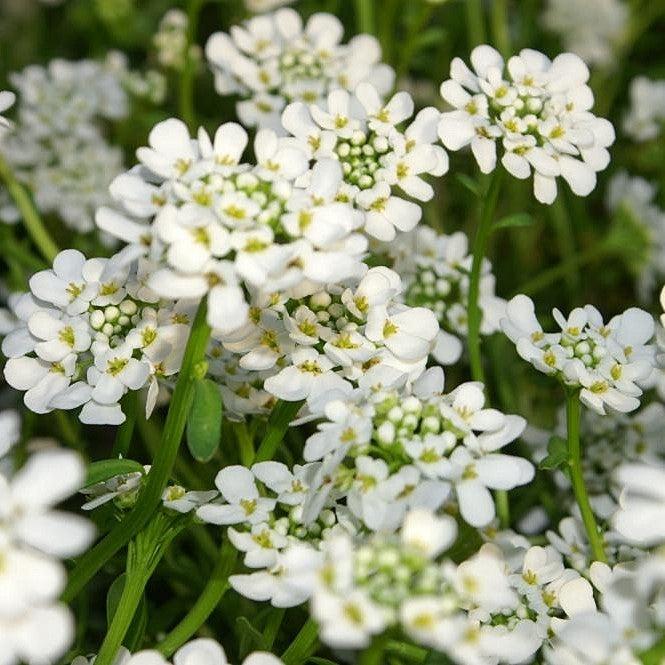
{"points": [[469, 183], [204, 423], [518, 219], [98, 472]]}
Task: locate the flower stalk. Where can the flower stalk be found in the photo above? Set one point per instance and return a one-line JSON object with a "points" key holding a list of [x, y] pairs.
{"points": [[479, 249], [150, 496], [573, 417]]}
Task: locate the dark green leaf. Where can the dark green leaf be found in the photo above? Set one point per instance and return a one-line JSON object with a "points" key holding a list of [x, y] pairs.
{"points": [[557, 454], [204, 423], [250, 638], [469, 183], [100, 471], [134, 637], [518, 219]]}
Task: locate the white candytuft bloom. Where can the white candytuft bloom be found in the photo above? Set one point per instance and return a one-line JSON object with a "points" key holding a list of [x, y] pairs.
{"points": [[593, 29], [56, 147], [383, 161], [89, 331], [435, 268], [633, 199], [273, 59], [538, 110], [34, 626], [646, 115], [606, 362]]}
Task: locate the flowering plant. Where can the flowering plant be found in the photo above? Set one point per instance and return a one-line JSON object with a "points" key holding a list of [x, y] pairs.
{"points": [[265, 399]]}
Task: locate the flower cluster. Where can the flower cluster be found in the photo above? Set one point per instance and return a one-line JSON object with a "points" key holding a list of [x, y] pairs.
{"points": [[606, 362], [592, 30], [34, 625], [87, 332], [538, 109], [57, 147], [435, 268], [633, 197], [645, 117], [170, 41], [215, 224], [381, 161], [272, 60]]}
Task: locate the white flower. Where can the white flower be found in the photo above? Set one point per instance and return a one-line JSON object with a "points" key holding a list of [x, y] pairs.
{"points": [[540, 112], [273, 59], [206, 651], [428, 533], [26, 504], [593, 31], [349, 621], [605, 361], [236, 485], [261, 545], [177, 498], [645, 116], [642, 501]]}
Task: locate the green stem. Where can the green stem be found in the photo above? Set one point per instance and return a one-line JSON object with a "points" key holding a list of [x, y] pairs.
{"points": [[566, 241], [186, 89], [123, 438], [245, 443], [31, 219], [150, 497], [206, 603], [143, 555], [503, 508], [499, 22], [303, 645], [479, 249], [573, 417], [280, 418], [365, 16], [552, 275], [475, 22]]}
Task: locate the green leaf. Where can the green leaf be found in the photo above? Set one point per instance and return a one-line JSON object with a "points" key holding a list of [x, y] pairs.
{"points": [[557, 456], [204, 423], [98, 472], [469, 183], [518, 219], [320, 661], [134, 637], [250, 638]]}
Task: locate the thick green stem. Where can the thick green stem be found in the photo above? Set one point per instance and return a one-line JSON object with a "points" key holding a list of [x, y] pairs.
{"points": [[210, 597], [303, 645], [245, 443], [573, 417], [280, 418], [143, 555], [31, 219], [502, 508], [150, 496], [565, 235], [479, 249], [123, 438]]}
